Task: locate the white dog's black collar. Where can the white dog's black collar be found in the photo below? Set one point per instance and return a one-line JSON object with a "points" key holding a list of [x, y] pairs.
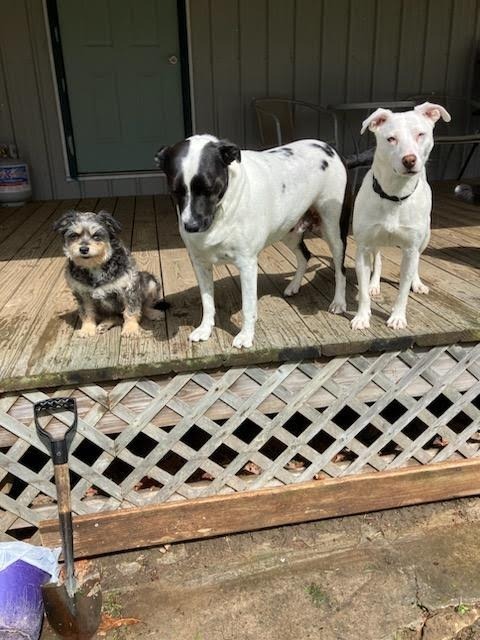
{"points": [[378, 189]]}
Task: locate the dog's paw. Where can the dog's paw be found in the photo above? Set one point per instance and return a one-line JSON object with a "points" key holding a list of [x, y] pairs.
{"points": [[360, 321], [291, 290], [397, 321], [337, 306], [374, 290], [87, 331], [203, 332], [244, 340], [419, 287], [130, 329]]}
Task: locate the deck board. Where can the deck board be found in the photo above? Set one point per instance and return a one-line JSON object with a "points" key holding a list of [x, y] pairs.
{"points": [[39, 345]]}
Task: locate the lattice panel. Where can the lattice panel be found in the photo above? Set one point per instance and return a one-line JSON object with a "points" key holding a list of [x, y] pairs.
{"points": [[153, 440]]}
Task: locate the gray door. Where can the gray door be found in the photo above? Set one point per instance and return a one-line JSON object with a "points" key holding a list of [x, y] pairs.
{"points": [[122, 64]]}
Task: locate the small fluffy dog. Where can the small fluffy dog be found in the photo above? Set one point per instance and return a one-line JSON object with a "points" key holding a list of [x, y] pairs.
{"points": [[393, 205], [103, 276]]}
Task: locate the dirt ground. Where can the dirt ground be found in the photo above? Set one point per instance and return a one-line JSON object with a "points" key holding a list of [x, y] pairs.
{"points": [[402, 574]]}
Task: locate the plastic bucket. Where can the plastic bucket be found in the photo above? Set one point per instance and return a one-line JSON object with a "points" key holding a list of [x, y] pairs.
{"points": [[21, 604]]}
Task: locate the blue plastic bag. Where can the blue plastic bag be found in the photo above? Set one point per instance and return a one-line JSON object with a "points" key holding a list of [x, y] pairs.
{"points": [[23, 570]]}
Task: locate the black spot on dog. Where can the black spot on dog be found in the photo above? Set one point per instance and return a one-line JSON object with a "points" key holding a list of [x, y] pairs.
{"points": [[324, 165], [286, 151], [328, 150], [283, 187]]}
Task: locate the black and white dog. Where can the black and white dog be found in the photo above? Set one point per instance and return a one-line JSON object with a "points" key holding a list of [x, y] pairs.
{"points": [[231, 204]]}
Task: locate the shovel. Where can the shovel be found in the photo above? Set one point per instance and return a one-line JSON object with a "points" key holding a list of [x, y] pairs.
{"points": [[73, 609]]}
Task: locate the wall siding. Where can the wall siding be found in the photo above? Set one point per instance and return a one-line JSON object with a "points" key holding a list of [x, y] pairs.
{"points": [[323, 51]]}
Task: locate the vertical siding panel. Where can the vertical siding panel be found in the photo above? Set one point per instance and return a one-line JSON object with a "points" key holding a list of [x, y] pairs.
{"points": [[201, 56], [437, 43], [24, 99], [361, 49], [281, 47], [334, 44], [412, 46], [436, 46], [6, 125], [308, 27], [387, 41], [226, 71], [46, 91], [458, 78], [253, 63]]}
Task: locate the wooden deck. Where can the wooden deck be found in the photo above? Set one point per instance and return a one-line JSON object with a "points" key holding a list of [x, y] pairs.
{"points": [[39, 345]]}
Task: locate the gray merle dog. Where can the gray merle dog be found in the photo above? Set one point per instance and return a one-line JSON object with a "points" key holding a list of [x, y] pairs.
{"points": [[103, 276]]}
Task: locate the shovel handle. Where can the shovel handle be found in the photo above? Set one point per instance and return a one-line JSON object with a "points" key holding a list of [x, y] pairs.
{"points": [[57, 446]]}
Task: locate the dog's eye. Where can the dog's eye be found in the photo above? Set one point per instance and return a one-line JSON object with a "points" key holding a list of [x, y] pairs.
{"points": [[73, 236], [392, 139], [420, 135], [97, 237]]}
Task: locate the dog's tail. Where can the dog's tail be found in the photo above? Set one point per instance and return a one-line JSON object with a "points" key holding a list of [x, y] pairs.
{"points": [[345, 218], [154, 304]]}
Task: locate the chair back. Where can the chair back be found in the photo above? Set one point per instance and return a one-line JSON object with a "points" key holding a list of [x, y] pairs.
{"points": [[275, 121]]}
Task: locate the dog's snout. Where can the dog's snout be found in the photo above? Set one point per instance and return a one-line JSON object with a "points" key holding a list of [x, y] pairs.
{"points": [[409, 161], [84, 250], [191, 227]]}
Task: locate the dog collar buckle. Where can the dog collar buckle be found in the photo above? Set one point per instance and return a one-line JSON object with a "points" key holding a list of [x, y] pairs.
{"points": [[378, 189]]}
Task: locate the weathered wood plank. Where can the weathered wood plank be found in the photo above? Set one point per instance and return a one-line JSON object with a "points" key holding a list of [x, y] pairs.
{"points": [[207, 517]]}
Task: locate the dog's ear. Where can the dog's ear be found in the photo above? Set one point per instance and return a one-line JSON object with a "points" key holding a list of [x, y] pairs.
{"points": [[108, 221], [433, 112], [228, 151], [376, 119], [160, 157], [64, 222]]}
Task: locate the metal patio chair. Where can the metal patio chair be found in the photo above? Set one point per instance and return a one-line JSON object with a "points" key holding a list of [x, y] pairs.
{"points": [[282, 120]]}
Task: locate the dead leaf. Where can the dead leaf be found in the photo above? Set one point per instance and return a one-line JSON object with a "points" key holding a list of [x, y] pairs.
{"points": [[207, 476], [90, 492], [294, 465], [439, 442], [108, 623], [252, 467]]}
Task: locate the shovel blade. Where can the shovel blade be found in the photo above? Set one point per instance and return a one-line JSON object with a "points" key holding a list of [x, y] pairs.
{"points": [[76, 617]]}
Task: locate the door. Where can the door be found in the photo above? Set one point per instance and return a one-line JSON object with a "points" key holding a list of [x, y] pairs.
{"points": [[124, 81]]}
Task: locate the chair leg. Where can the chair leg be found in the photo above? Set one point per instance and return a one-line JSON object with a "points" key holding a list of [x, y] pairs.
{"points": [[467, 161]]}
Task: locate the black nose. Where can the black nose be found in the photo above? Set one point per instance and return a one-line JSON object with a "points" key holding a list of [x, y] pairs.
{"points": [[191, 227], [84, 250]]}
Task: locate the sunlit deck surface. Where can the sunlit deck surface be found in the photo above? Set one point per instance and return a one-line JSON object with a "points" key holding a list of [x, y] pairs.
{"points": [[39, 344]]}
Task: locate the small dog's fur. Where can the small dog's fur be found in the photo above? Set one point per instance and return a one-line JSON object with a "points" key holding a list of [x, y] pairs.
{"points": [[103, 276]]}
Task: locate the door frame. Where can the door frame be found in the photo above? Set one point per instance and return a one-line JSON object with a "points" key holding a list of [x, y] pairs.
{"points": [[57, 65]]}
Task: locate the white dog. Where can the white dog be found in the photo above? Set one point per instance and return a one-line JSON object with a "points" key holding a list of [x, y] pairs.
{"points": [[231, 204], [393, 205]]}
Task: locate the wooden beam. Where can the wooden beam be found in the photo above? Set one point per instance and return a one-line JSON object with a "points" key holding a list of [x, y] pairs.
{"points": [[207, 517]]}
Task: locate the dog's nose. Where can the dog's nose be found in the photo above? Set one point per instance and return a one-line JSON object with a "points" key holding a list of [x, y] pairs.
{"points": [[84, 250], [409, 161], [191, 227]]}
